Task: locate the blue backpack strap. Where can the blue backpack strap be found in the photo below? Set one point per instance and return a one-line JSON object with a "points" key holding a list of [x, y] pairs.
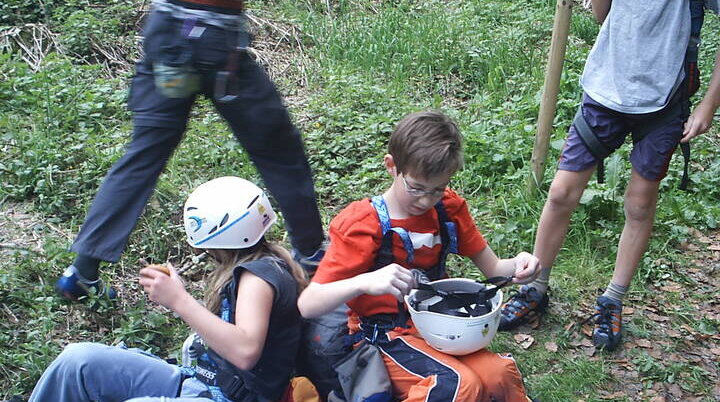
{"points": [[384, 256]]}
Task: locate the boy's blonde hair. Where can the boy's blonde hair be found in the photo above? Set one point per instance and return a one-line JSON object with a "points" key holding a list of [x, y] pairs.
{"points": [[426, 144], [228, 259]]}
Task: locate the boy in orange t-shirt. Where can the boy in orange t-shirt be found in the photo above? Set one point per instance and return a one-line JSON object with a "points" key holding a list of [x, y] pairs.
{"points": [[370, 271]]}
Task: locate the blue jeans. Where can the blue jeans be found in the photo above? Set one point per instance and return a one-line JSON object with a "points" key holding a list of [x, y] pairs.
{"points": [[257, 117], [96, 372]]}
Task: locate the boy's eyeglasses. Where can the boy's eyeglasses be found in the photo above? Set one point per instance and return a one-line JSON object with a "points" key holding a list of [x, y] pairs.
{"points": [[416, 192]]}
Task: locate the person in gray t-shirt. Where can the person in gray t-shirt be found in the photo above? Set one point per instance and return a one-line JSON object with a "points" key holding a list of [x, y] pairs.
{"points": [[636, 79]]}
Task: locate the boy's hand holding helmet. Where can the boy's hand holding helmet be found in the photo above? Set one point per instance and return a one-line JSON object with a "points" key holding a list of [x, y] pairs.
{"points": [[163, 288], [527, 267], [392, 279]]}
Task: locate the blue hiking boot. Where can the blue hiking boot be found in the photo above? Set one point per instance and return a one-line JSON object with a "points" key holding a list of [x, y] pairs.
{"points": [[310, 263], [608, 323], [73, 286], [521, 306]]}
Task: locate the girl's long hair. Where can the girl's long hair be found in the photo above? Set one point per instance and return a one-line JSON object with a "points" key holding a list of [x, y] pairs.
{"points": [[228, 259]]}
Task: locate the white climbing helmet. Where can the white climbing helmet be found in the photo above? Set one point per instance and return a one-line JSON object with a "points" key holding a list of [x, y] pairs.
{"points": [[226, 213], [454, 331]]}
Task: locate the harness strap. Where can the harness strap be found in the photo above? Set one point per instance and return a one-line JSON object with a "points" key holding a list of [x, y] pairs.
{"points": [[448, 235], [685, 181], [229, 386], [376, 326], [600, 151], [677, 105], [387, 232], [592, 143], [690, 85]]}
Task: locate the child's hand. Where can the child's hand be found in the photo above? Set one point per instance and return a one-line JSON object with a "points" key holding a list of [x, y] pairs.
{"points": [[162, 288], [527, 266], [392, 279]]}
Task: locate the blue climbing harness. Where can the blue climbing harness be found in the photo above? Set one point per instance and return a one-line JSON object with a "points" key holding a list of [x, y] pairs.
{"points": [[375, 326], [222, 379]]}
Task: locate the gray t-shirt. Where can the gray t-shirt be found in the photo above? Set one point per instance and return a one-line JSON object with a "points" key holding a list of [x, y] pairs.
{"points": [[637, 61]]}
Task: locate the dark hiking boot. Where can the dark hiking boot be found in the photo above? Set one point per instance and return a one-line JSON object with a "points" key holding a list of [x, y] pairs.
{"points": [[521, 306], [73, 286], [608, 323]]}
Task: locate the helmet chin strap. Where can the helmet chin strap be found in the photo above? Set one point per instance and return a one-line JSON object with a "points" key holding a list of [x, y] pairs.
{"points": [[453, 303]]}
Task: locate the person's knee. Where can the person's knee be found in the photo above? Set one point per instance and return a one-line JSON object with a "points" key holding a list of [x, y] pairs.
{"points": [[502, 377], [563, 196], [639, 209], [76, 356], [470, 387], [503, 368], [82, 353]]}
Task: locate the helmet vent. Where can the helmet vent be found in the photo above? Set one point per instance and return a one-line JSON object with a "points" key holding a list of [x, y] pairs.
{"points": [[191, 208], [246, 240], [213, 230], [253, 201], [224, 219]]}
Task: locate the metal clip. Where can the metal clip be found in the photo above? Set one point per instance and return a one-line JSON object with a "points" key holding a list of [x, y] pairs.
{"points": [[375, 334]]}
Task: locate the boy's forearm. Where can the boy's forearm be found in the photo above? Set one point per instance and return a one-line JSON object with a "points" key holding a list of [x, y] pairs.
{"points": [[600, 9], [490, 265], [318, 299], [223, 337]]}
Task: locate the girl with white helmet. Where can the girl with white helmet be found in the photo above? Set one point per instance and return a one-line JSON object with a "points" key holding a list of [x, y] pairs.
{"points": [[248, 331]]}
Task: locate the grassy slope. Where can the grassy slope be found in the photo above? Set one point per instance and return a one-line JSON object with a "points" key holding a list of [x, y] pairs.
{"points": [[366, 65]]}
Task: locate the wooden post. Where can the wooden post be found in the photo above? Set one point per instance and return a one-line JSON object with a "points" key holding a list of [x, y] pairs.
{"points": [[548, 104]]}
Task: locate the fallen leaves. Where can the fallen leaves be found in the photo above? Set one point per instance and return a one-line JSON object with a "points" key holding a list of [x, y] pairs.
{"points": [[613, 396], [671, 287], [657, 317], [553, 347], [524, 340]]}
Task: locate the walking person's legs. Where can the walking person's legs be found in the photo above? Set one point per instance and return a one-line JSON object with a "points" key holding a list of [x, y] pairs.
{"points": [[262, 124], [159, 123], [576, 166]]}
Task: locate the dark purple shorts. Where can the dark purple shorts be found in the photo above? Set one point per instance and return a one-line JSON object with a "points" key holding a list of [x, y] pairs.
{"points": [[650, 156]]}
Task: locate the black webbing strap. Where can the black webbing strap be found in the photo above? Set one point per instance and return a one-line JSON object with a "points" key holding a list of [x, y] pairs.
{"points": [[592, 143], [438, 272], [685, 181]]}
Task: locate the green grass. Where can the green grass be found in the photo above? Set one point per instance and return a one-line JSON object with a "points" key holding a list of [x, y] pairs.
{"points": [[368, 64]]}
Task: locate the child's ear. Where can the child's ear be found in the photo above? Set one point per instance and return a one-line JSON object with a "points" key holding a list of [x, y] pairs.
{"points": [[390, 164]]}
